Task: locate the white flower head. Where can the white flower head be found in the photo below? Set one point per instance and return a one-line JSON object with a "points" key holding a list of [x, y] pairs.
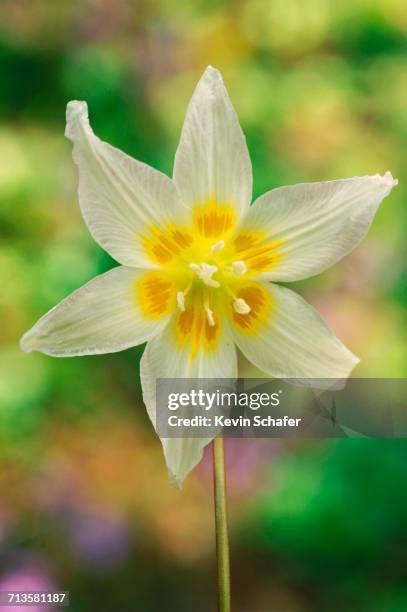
{"points": [[199, 265]]}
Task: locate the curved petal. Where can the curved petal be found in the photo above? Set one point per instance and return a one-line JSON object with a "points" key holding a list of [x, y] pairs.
{"points": [[160, 361], [212, 163], [309, 226], [287, 338], [120, 198], [103, 316]]}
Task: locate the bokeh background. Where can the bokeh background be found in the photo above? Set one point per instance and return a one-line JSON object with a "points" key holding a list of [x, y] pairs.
{"points": [[85, 503]]}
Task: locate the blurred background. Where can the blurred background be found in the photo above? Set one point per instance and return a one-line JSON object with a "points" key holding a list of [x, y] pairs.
{"points": [[85, 503]]}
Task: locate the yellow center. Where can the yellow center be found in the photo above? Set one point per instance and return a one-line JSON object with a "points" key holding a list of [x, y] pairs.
{"points": [[205, 274]]}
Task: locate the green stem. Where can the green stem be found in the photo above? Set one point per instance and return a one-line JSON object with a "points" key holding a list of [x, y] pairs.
{"points": [[221, 525]]}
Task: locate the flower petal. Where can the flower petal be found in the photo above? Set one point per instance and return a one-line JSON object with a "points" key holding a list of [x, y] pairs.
{"points": [[310, 226], [287, 338], [120, 198], [212, 163], [103, 316], [159, 361]]}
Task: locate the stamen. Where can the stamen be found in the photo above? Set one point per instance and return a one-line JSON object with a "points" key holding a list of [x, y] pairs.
{"points": [[205, 272], [241, 307], [181, 300], [217, 247], [209, 315], [239, 268], [181, 297]]}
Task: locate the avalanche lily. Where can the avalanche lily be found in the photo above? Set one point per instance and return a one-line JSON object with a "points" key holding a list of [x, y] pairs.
{"points": [[199, 265]]}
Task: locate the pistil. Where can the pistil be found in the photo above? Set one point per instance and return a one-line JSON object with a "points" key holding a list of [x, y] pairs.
{"points": [[205, 272]]}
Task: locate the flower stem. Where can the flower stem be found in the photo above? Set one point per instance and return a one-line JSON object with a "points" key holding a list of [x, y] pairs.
{"points": [[221, 525]]}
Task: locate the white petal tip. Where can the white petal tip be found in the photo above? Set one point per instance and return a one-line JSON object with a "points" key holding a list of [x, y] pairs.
{"points": [[27, 344], [76, 107], [355, 360], [213, 72], [390, 181], [387, 179], [211, 81], [352, 362], [176, 482], [75, 110]]}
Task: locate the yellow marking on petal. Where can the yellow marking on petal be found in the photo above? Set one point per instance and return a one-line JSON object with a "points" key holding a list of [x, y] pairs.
{"points": [[258, 255], [195, 329], [214, 220], [163, 245], [259, 301], [264, 258], [155, 294], [246, 240]]}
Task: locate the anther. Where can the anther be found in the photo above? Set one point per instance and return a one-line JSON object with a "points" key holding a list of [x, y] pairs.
{"points": [[181, 300], [241, 307], [209, 316], [217, 246], [239, 268]]}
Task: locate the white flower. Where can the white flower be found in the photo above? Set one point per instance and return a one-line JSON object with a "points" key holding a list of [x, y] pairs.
{"points": [[199, 264]]}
